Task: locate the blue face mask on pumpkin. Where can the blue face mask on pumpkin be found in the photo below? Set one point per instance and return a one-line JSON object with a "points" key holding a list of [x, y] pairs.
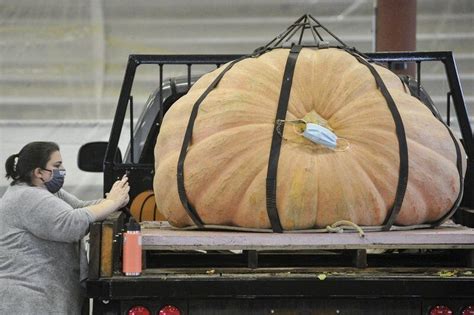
{"points": [[320, 135], [56, 181]]}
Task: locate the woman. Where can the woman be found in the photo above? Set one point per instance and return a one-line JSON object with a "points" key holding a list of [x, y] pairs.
{"points": [[41, 227]]}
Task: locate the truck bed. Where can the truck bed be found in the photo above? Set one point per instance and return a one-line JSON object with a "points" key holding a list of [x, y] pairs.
{"points": [[432, 263]]}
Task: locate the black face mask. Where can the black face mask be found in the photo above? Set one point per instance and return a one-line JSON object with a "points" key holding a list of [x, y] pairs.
{"points": [[56, 181]]}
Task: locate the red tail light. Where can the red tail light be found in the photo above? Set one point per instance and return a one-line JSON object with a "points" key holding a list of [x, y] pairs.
{"points": [[169, 310], [468, 310], [441, 310], [139, 310]]}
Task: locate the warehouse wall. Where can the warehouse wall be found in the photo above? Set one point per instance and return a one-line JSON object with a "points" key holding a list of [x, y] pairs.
{"points": [[62, 62]]}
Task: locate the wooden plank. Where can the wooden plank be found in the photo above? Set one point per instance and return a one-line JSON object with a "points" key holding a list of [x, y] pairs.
{"points": [[106, 255], [455, 237]]}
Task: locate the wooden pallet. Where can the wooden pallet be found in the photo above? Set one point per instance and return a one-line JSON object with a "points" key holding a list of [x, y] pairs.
{"points": [[163, 237]]}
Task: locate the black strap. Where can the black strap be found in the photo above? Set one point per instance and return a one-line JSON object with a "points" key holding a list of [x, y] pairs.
{"points": [[277, 139], [412, 86], [402, 145], [143, 206], [186, 142]]}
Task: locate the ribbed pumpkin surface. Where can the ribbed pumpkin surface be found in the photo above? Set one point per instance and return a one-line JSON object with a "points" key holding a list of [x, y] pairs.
{"points": [[143, 207], [226, 164]]}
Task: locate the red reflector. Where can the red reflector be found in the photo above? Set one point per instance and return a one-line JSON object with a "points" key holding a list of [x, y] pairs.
{"points": [[468, 310], [139, 310], [441, 310], [169, 310]]}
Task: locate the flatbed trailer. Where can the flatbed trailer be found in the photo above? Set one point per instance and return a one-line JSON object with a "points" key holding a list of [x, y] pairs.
{"points": [[226, 272]]}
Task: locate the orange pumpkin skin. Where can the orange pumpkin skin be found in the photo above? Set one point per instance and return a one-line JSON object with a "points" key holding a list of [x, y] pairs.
{"points": [[143, 207], [226, 165]]}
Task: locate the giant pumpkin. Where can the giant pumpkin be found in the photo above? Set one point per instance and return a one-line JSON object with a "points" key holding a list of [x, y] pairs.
{"points": [[226, 165]]}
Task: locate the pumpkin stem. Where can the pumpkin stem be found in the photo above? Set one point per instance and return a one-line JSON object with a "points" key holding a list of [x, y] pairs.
{"points": [[315, 118]]}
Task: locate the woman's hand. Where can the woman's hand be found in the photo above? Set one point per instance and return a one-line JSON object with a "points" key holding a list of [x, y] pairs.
{"points": [[119, 192], [117, 198]]}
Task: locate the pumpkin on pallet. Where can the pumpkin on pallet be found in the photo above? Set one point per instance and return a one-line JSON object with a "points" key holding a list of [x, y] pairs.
{"points": [[226, 163]]}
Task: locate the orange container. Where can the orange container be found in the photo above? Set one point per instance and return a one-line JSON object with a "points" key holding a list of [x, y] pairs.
{"points": [[132, 249]]}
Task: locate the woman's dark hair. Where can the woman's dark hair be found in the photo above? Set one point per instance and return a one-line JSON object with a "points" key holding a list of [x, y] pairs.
{"points": [[20, 166]]}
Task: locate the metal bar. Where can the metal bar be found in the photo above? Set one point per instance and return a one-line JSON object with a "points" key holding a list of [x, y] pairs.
{"points": [[315, 34], [189, 76], [161, 112], [319, 35], [290, 35], [314, 30], [283, 34], [409, 56], [448, 108], [418, 78], [302, 31], [360, 258], [279, 36], [290, 32], [132, 142], [329, 32], [252, 259], [281, 285], [301, 35], [459, 105], [221, 59], [120, 113], [184, 59]]}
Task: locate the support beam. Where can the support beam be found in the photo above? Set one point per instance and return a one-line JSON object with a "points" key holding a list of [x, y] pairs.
{"points": [[395, 29]]}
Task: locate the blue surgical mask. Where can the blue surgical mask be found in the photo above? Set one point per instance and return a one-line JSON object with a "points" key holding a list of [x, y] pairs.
{"points": [[320, 135], [56, 181]]}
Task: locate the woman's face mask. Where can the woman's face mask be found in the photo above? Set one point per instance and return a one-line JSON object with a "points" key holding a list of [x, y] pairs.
{"points": [[56, 181]]}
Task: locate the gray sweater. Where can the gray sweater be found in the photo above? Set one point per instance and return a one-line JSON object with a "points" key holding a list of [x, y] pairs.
{"points": [[40, 252]]}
